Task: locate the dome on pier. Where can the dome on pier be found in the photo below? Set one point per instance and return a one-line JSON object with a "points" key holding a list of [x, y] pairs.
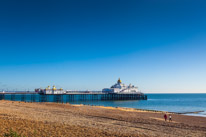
{"points": [[119, 81]]}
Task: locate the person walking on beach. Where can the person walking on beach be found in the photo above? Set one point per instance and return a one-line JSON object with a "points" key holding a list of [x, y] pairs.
{"points": [[165, 116], [170, 118]]}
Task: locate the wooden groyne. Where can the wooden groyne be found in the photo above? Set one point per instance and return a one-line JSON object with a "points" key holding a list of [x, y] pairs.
{"points": [[64, 98], [189, 112]]}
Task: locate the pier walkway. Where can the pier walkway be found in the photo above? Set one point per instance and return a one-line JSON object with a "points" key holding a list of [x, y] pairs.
{"points": [[69, 97]]}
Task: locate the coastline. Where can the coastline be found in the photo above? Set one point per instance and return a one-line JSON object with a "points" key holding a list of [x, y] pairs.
{"points": [[52, 119], [191, 113], [126, 109]]}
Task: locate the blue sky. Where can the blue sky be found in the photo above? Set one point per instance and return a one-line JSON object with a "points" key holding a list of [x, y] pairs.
{"points": [[157, 45]]}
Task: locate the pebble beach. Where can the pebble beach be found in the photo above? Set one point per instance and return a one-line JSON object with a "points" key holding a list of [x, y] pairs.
{"points": [[52, 119]]}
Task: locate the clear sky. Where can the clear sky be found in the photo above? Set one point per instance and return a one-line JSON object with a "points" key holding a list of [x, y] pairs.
{"points": [[157, 45]]}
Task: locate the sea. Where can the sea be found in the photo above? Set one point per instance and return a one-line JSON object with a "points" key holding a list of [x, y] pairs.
{"points": [[178, 103]]}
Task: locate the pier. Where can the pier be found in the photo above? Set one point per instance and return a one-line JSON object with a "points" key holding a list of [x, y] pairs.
{"points": [[69, 97]]}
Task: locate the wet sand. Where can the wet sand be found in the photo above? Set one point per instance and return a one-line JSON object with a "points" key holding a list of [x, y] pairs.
{"points": [[51, 119]]}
